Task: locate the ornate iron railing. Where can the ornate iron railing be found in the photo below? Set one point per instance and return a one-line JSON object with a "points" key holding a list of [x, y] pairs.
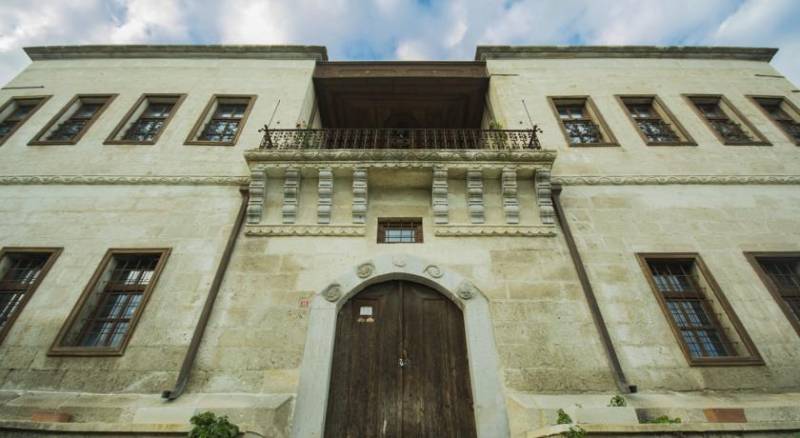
{"points": [[367, 138]]}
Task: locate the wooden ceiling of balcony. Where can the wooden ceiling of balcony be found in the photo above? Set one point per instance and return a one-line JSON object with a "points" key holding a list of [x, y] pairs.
{"points": [[401, 94]]}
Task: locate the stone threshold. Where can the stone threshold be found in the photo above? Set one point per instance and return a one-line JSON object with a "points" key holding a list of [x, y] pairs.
{"points": [[650, 429], [141, 428]]}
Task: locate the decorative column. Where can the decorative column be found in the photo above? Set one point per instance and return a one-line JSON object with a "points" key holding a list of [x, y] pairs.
{"points": [[291, 195], [325, 195], [439, 195], [543, 196], [510, 201], [475, 195], [360, 195], [258, 184]]}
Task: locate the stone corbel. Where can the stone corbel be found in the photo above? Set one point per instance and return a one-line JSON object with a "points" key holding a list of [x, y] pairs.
{"points": [[543, 196], [360, 195], [510, 201], [475, 196], [439, 195], [325, 195], [258, 185], [291, 195]]}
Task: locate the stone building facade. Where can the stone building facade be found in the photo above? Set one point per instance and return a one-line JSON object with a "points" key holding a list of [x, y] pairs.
{"points": [[574, 223]]}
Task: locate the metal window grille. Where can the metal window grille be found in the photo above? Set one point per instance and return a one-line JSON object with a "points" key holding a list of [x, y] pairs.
{"points": [[224, 123], [689, 309], [150, 123], [729, 130], [785, 275], [75, 124], [654, 128], [579, 125], [774, 108], [400, 231], [17, 281]]}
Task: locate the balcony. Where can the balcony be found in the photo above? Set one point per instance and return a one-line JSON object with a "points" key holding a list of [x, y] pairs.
{"points": [[397, 138]]}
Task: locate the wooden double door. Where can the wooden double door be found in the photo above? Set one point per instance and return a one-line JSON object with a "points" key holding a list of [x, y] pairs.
{"points": [[400, 366]]}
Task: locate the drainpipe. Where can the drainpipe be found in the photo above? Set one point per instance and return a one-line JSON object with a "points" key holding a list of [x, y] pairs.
{"points": [[199, 330], [588, 292]]}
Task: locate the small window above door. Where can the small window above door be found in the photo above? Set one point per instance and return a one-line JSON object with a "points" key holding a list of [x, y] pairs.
{"points": [[400, 230]]}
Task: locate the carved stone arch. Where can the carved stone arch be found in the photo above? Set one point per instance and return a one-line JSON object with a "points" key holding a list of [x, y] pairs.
{"points": [[312, 398]]}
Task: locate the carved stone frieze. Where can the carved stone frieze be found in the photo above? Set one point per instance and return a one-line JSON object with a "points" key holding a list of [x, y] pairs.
{"points": [[399, 155], [325, 195], [475, 196], [291, 195], [510, 201], [439, 195], [360, 195], [305, 230], [543, 196], [494, 230], [258, 184], [110, 180], [571, 180]]}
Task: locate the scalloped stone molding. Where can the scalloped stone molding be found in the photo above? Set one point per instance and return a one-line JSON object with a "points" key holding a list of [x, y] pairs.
{"points": [[305, 230], [494, 230], [167, 180], [568, 180], [439, 196], [315, 369]]}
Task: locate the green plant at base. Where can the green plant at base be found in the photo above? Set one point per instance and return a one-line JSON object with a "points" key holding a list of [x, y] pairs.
{"points": [[574, 431], [662, 420], [617, 401], [563, 417], [208, 425]]}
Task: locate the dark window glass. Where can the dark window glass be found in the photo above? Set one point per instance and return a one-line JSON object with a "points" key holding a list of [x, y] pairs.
{"points": [[650, 123], [785, 275], [774, 108], [579, 126], [224, 123], [150, 123], [22, 272], [400, 231], [729, 130], [22, 109], [74, 125]]}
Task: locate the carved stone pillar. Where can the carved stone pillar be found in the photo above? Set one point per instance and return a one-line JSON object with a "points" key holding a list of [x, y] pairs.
{"points": [[325, 198], [291, 195], [543, 196], [258, 184], [475, 196], [359, 195], [510, 201], [439, 195]]}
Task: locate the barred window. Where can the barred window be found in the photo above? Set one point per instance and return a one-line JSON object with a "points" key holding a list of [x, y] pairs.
{"points": [[400, 230], [15, 112], [222, 121], [106, 314], [21, 271], [703, 321], [72, 122], [580, 122], [781, 274], [148, 118], [655, 123], [730, 127], [783, 113]]}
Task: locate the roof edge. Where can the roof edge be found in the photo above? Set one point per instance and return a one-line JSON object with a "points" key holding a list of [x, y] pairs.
{"points": [[762, 54], [46, 53]]}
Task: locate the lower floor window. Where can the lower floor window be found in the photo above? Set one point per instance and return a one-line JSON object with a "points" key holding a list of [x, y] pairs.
{"points": [[400, 231], [21, 270], [781, 274]]}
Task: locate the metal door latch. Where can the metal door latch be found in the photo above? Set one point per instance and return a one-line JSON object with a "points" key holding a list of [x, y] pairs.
{"points": [[402, 362]]}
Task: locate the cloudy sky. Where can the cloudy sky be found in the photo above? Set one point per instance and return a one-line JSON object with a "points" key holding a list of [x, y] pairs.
{"points": [[401, 29]]}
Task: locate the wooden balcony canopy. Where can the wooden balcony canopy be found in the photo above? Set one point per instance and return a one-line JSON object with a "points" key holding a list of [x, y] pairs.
{"points": [[401, 94]]}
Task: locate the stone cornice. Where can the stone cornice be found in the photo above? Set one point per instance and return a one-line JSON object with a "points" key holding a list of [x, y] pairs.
{"points": [[761, 54], [172, 180], [44, 53], [568, 180], [494, 230], [305, 230]]}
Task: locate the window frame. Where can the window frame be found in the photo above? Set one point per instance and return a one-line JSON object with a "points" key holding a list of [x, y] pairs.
{"points": [[201, 121], [37, 139], [144, 99], [784, 100], [656, 104], [418, 229], [754, 357], [752, 257], [57, 349], [758, 137], [12, 100], [594, 115], [53, 253]]}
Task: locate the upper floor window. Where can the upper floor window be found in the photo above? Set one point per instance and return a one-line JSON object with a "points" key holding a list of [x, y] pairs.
{"points": [[15, 112], [730, 127], [704, 323], [72, 122], [781, 274], [400, 230], [655, 123], [109, 308], [783, 112], [21, 271], [222, 121], [581, 123], [148, 118]]}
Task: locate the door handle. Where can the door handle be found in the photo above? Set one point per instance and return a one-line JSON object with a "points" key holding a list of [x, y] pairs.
{"points": [[403, 362]]}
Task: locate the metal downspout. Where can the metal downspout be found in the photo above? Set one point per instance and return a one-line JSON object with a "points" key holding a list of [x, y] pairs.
{"points": [[199, 330], [588, 292]]}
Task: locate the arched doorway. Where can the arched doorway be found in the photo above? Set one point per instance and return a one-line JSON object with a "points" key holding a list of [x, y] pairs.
{"points": [[400, 366]]}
